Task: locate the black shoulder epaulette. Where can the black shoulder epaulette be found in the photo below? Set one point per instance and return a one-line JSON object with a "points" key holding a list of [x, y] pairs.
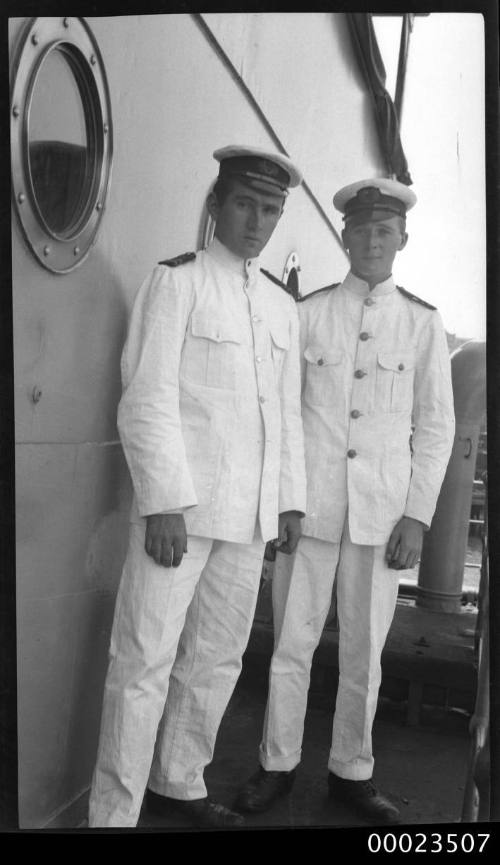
{"points": [[179, 259], [415, 298], [275, 279], [318, 291]]}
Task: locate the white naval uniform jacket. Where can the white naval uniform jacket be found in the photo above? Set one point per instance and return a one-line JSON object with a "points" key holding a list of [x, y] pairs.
{"points": [[210, 413], [373, 364]]}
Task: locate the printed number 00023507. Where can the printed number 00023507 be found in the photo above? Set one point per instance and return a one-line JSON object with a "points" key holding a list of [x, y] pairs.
{"points": [[422, 842]]}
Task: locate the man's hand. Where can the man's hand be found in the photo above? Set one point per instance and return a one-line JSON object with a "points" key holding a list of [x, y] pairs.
{"points": [[166, 539], [290, 530], [405, 544]]}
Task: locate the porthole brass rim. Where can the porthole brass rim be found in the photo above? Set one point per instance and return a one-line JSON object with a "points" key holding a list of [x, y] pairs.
{"points": [[60, 252]]}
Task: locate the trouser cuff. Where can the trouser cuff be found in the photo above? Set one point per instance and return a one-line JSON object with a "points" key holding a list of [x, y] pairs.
{"points": [[358, 770], [278, 763], [177, 791]]}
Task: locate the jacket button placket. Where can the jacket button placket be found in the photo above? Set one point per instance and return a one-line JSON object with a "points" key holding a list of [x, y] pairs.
{"points": [[362, 382], [260, 338]]}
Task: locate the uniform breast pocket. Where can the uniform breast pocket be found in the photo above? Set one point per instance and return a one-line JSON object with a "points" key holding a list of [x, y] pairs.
{"points": [[394, 386], [324, 383], [212, 351]]}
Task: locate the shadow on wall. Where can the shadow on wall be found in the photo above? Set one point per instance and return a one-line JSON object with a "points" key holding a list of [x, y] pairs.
{"points": [[73, 508]]}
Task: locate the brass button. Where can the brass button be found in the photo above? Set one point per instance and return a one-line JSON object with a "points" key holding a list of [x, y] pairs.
{"points": [[401, 366], [364, 336], [360, 373], [258, 359], [369, 301], [351, 454], [355, 413], [320, 361]]}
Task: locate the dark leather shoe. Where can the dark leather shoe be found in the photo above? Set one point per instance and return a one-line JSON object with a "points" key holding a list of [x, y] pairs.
{"points": [[364, 798], [201, 812], [262, 789]]}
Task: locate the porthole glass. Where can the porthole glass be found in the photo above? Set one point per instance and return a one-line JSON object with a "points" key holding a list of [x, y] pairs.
{"points": [[61, 140], [59, 155]]}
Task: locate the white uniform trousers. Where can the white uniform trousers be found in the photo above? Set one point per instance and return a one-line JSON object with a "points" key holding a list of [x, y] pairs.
{"points": [[366, 600], [176, 646]]}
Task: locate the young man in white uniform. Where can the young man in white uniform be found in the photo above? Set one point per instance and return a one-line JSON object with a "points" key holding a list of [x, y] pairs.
{"points": [[374, 363], [211, 429]]}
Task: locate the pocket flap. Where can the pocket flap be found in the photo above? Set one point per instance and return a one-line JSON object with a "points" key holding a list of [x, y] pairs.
{"points": [[216, 329], [397, 361], [320, 356], [280, 334]]}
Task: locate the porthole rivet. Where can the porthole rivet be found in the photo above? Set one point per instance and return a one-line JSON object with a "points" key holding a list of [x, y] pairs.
{"points": [[21, 197], [46, 250], [34, 39], [106, 128], [66, 22], [16, 111], [93, 59], [98, 206], [76, 250]]}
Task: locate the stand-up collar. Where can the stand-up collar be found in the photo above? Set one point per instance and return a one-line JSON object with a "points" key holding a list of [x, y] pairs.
{"points": [[242, 266], [360, 287]]}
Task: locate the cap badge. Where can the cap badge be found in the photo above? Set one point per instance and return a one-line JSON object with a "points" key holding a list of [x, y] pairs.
{"points": [[268, 168], [369, 194]]}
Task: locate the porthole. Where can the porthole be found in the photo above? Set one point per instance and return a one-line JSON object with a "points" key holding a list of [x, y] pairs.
{"points": [[291, 275], [61, 140]]}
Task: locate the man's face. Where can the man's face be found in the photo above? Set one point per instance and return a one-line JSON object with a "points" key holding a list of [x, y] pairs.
{"points": [[246, 219], [372, 246]]}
